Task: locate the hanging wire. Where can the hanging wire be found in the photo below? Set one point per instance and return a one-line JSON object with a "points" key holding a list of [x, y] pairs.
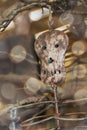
{"points": [[50, 21]]}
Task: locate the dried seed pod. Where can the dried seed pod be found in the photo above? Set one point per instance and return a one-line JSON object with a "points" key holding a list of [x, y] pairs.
{"points": [[50, 48]]}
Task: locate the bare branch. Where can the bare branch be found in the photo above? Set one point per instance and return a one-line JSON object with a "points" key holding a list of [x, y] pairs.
{"points": [[6, 21], [22, 5], [38, 122], [52, 117], [71, 119]]}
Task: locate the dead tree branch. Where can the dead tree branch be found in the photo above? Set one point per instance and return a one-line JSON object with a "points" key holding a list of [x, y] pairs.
{"points": [[22, 5], [17, 9]]}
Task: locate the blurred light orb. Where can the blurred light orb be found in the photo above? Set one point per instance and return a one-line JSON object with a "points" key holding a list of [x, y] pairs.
{"points": [[78, 48], [8, 91], [77, 19], [4, 50], [1, 105], [33, 85], [86, 34], [37, 14], [66, 18], [81, 94], [18, 54], [79, 71]]}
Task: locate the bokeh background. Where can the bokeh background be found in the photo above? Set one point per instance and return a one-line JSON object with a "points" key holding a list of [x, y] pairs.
{"points": [[20, 68]]}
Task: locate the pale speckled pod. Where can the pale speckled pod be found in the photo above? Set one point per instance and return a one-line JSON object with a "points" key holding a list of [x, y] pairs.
{"points": [[50, 48]]}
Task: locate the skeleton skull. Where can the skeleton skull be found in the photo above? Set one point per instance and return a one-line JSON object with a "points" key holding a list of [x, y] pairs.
{"points": [[50, 48]]}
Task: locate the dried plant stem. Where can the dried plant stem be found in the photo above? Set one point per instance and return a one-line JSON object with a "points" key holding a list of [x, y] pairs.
{"points": [[56, 107], [36, 117], [75, 113], [73, 101], [52, 117], [33, 104], [6, 21], [38, 122], [70, 119]]}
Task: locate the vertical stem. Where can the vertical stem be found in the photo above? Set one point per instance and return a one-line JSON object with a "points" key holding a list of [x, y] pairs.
{"points": [[56, 107]]}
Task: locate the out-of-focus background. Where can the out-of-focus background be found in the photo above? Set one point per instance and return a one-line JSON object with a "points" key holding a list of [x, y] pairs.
{"points": [[20, 68]]}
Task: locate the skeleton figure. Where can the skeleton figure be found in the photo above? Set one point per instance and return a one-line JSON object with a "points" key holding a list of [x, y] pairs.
{"points": [[50, 48]]}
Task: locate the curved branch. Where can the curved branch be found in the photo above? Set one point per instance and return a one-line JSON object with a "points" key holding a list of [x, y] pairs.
{"points": [[23, 5], [6, 21]]}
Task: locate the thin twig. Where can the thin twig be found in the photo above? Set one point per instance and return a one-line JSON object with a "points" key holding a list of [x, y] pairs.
{"points": [[56, 106], [20, 105], [45, 109], [36, 117], [13, 106], [73, 101], [6, 21], [70, 119], [75, 113], [38, 122], [33, 104], [53, 102], [52, 117]]}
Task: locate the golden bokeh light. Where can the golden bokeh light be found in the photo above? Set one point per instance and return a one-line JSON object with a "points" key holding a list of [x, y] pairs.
{"points": [[78, 48], [79, 71]]}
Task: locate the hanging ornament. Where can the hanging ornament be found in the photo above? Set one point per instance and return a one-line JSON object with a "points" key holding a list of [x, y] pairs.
{"points": [[50, 48]]}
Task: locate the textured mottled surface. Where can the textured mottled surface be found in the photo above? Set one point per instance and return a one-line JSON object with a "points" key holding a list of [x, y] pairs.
{"points": [[50, 48]]}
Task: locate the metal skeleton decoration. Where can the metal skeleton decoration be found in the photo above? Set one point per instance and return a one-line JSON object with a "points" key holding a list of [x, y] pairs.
{"points": [[50, 48]]}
